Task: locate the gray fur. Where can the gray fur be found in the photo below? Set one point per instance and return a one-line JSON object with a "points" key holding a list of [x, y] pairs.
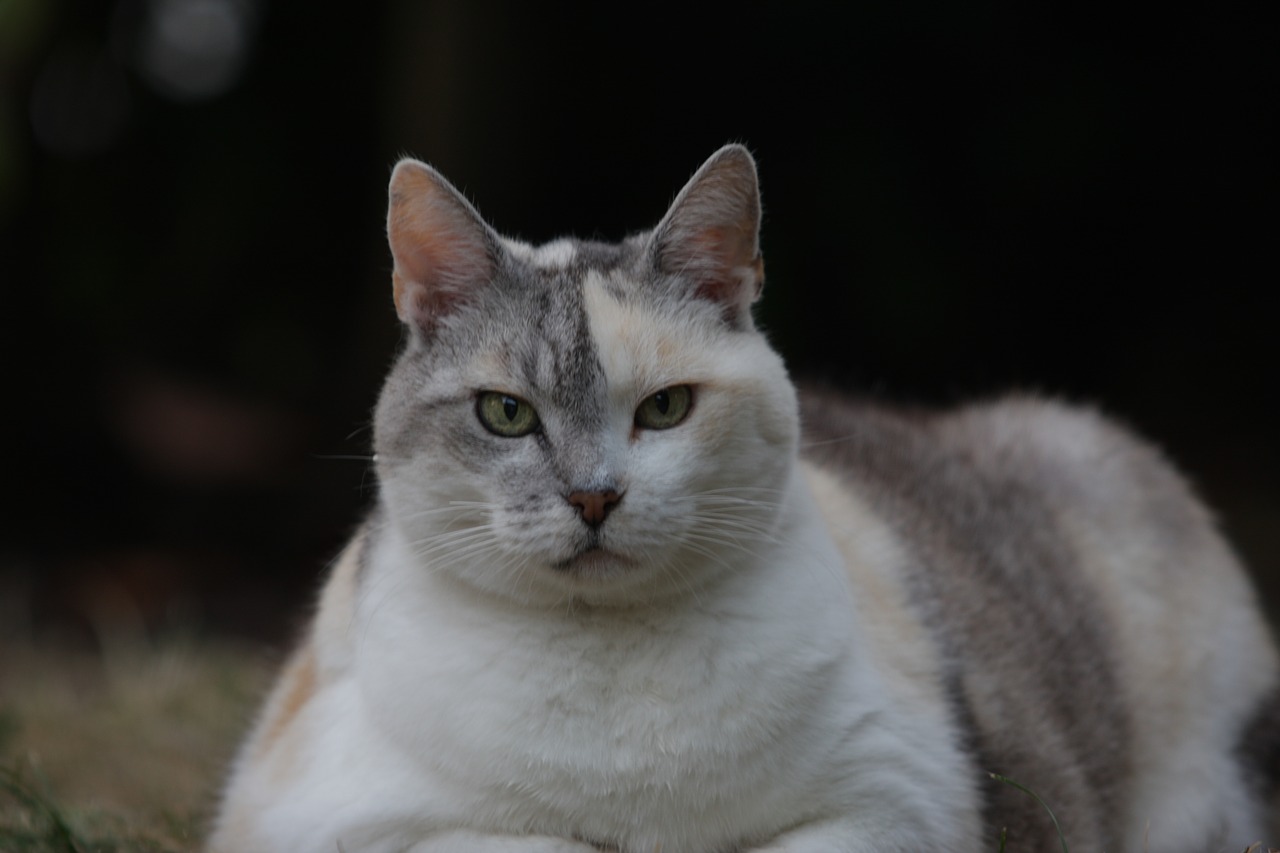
{"points": [[534, 319], [998, 584], [997, 577]]}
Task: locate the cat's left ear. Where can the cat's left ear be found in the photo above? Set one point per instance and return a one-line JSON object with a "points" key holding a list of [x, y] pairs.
{"points": [[711, 235]]}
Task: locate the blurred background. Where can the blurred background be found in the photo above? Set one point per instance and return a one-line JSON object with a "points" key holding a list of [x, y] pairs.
{"points": [[195, 310]]}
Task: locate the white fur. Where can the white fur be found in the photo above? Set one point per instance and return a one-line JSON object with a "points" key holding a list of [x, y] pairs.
{"points": [[732, 716], [556, 254], [725, 697]]}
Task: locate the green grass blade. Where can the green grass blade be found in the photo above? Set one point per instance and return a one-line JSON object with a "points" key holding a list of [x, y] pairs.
{"points": [[60, 834], [1024, 789]]}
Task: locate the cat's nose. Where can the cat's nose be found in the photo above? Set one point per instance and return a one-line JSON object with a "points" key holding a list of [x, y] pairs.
{"points": [[594, 506]]}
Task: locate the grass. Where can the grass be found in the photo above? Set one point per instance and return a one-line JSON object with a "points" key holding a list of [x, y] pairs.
{"points": [[32, 821], [122, 751], [118, 751], [1024, 789]]}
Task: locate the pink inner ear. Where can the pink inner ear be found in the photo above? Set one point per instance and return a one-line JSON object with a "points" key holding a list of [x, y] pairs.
{"points": [[709, 234], [438, 243], [714, 257], [723, 262]]}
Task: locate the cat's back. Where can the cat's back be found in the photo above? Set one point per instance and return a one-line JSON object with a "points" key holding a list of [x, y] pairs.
{"points": [[1103, 646], [941, 461]]}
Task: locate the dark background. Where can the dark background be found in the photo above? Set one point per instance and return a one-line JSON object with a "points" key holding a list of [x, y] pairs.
{"points": [[960, 198]]}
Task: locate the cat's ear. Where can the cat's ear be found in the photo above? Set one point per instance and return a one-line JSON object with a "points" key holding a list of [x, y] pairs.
{"points": [[442, 249], [711, 235]]}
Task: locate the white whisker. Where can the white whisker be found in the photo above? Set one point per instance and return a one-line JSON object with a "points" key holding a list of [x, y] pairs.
{"points": [[821, 442]]}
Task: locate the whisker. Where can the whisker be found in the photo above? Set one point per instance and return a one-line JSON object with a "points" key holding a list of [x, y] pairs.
{"points": [[670, 568], [807, 444], [720, 540], [456, 507], [708, 553], [450, 553], [739, 515]]}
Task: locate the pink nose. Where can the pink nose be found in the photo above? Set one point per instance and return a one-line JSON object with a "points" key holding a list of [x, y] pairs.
{"points": [[594, 506]]}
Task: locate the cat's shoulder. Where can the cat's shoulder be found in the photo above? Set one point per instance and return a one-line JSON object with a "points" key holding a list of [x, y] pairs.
{"points": [[323, 655]]}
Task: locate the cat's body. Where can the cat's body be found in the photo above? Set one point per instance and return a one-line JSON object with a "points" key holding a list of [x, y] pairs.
{"points": [[604, 605]]}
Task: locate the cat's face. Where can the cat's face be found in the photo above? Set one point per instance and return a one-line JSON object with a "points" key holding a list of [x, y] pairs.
{"points": [[578, 420]]}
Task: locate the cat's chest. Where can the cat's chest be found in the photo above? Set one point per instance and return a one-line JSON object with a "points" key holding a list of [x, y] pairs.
{"points": [[571, 710], [562, 685]]}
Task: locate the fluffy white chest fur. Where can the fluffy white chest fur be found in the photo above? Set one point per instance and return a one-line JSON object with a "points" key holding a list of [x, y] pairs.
{"points": [[699, 723], [604, 604]]}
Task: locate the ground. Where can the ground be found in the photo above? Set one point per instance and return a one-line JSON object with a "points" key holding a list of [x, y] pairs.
{"points": [[120, 746]]}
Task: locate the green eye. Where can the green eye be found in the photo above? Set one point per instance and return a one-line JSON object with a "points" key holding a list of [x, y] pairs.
{"points": [[666, 408], [505, 415]]}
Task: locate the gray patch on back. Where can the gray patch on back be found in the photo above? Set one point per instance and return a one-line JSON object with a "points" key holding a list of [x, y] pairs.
{"points": [[999, 584]]}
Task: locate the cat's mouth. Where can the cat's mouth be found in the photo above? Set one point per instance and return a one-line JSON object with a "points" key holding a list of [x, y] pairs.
{"points": [[593, 562]]}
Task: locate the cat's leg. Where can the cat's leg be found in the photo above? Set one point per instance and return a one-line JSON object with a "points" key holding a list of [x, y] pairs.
{"points": [[470, 841]]}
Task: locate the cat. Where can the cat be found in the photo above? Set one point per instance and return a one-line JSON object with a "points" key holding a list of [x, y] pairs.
{"points": [[614, 597]]}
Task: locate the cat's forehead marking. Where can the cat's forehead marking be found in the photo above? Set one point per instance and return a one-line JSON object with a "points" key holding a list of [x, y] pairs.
{"points": [[640, 348], [557, 254], [609, 322]]}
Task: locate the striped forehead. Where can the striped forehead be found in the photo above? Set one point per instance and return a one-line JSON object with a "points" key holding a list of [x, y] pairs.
{"points": [[534, 331]]}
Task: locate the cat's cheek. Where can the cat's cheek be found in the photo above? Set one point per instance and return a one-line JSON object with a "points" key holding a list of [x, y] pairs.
{"points": [[734, 457]]}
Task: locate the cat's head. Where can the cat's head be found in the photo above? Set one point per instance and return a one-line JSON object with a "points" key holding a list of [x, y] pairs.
{"points": [[579, 419]]}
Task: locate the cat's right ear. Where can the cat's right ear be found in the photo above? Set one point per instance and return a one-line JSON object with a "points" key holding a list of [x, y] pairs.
{"points": [[442, 249]]}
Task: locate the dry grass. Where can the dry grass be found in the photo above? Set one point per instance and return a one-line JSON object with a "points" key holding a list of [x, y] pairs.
{"points": [[118, 751], [122, 751]]}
